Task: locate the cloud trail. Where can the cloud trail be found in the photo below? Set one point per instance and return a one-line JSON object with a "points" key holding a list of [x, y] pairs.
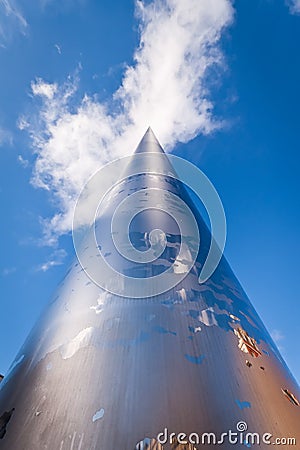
{"points": [[11, 19], [166, 87]]}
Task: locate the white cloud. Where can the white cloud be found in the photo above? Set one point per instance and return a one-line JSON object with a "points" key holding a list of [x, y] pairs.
{"points": [[43, 89], [55, 259], [11, 19], [165, 88], [294, 6]]}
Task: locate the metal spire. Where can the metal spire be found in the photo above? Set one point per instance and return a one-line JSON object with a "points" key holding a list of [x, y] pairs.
{"points": [[100, 371]]}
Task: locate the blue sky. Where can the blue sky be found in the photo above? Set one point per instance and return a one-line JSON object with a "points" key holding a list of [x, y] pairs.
{"points": [[71, 77]]}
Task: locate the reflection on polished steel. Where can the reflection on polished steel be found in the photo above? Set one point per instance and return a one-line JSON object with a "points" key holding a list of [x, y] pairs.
{"points": [[105, 372]]}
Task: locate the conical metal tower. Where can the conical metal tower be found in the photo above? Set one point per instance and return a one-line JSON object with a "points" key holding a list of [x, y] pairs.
{"points": [[102, 371]]}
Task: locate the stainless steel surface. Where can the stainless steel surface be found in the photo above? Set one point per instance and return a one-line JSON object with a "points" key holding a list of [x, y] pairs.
{"points": [[104, 372]]}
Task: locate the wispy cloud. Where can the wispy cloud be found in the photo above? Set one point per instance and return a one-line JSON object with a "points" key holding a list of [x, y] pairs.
{"points": [[5, 137], [167, 87], [56, 259], [24, 162], [11, 20], [278, 337], [294, 6], [58, 48], [8, 271]]}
